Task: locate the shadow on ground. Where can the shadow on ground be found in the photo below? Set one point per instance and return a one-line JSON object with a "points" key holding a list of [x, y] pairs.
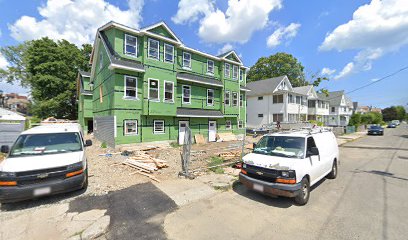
{"points": [[375, 147], [136, 212], [382, 173]]}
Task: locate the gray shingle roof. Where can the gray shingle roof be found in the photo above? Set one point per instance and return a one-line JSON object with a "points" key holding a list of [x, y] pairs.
{"points": [[191, 112], [264, 87], [334, 98], [304, 90], [244, 88], [199, 79]]}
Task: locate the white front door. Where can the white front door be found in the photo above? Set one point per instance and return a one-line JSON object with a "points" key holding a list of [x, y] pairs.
{"points": [[182, 131], [212, 131]]}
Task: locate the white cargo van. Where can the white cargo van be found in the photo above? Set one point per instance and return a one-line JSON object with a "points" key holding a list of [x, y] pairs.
{"points": [[289, 163], [44, 160]]}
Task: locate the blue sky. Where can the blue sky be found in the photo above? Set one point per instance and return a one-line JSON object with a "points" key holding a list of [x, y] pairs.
{"points": [[355, 41]]}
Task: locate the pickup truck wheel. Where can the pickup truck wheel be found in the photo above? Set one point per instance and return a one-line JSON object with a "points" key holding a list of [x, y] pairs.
{"points": [[333, 173], [304, 194]]}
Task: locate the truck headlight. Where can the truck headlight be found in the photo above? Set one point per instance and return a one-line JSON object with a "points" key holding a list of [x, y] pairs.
{"points": [[7, 174]]}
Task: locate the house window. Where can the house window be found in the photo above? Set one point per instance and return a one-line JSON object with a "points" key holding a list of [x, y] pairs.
{"points": [[210, 97], [277, 117], [333, 109], [210, 66], [158, 126], [130, 87], [260, 98], [154, 90], [260, 115], [241, 75], [278, 98], [228, 124], [235, 72], [298, 99], [186, 94], [241, 100], [130, 127], [234, 99], [153, 49], [168, 53], [227, 70], [227, 98], [168, 91], [240, 124], [130, 45], [186, 60], [290, 98]]}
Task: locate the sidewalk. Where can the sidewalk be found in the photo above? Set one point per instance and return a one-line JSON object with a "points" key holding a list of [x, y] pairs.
{"points": [[349, 137]]}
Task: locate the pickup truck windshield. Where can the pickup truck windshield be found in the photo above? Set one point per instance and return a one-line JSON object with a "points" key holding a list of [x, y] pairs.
{"points": [[47, 143], [283, 146]]}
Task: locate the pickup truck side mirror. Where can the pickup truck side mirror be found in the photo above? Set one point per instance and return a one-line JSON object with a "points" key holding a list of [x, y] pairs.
{"points": [[5, 149], [313, 151], [88, 143]]}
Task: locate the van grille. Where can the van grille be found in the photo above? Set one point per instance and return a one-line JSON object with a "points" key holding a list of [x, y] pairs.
{"points": [[263, 174], [35, 172]]}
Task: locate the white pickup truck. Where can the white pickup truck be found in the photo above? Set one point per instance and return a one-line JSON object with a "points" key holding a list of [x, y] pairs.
{"points": [[44, 160], [289, 163]]}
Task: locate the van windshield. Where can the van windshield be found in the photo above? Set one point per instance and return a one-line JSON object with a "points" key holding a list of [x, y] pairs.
{"points": [[283, 146], [47, 143]]}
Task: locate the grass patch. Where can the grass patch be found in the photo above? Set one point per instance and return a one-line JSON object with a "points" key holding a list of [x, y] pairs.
{"points": [[103, 145], [174, 145], [214, 161]]}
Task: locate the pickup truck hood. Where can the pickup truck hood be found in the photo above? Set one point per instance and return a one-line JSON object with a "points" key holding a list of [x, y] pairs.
{"points": [[29, 163], [272, 162]]}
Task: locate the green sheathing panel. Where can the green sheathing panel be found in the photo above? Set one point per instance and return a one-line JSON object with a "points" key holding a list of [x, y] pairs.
{"points": [[85, 81], [198, 65], [231, 85], [117, 39], [232, 58], [198, 96], [160, 30]]}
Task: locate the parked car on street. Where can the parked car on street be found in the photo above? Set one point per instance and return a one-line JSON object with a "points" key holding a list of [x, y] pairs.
{"points": [[44, 160], [391, 125], [289, 163], [396, 122], [375, 130]]}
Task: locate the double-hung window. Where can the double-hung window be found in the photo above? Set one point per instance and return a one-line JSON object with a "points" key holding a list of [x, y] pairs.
{"points": [[153, 49], [158, 126], [240, 124], [130, 87], [168, 53], [168, 91], [154, 90], [210, 66], [186, 60], [241, 75], [241, 100], [228, 124], [130, 127], [186, 94], [130, 45], [210, 97], [226, 70], [235, 72], [234, 99], [227, 98]]}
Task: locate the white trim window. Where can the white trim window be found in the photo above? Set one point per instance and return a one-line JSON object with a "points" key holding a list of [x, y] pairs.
{"points": [[168, 91], [235, 72], [187, 60], [130, 45], [227, 73], [241, 100], [158, 126], [228, 124], [154, 94], [186, 98], [210, 66], [227, 98], [130, 87], [240, 124], [210, 97], [234, 99], [241, 75], [130, 127], [168, 53], [153, 48]]}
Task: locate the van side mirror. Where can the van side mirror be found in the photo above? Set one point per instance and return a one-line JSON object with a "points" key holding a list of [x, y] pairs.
{"points": [[313, 151], [5, 149], [88, 143], [253, 145]]}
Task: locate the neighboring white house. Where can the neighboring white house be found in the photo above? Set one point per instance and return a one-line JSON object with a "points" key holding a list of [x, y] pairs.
{"points": [[317, 108], [340, 109], [274, 99]]}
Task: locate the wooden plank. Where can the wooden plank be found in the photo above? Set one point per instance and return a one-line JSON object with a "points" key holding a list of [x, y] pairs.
{"points": [[136, 167], [199, 139], [147, 175]]}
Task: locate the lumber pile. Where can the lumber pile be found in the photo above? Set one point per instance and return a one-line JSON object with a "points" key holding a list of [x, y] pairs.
{"points": [[226, 137], [230, 155], [145, 164], [199, 139]]}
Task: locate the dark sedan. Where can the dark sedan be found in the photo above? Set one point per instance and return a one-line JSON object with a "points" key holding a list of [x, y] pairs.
{"points": [[376, 130]]}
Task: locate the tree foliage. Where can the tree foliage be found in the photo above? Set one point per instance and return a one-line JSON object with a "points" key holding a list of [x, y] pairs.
{"points": [[355, 119], [49, 69], [394, 113]]}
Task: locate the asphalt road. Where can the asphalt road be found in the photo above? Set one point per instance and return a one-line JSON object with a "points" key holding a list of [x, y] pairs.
{"points": [[368, 200]]}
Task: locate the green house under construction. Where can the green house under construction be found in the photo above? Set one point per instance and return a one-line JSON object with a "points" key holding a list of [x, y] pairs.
{"points": [[148, 86]]}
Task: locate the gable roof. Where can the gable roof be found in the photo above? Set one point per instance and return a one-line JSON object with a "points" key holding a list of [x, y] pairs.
{"points": [[265, 86], [231, 52], [304, 90], [334, 98], [164, 25]]}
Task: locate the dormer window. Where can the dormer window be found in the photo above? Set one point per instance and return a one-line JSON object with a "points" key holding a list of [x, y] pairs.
{"points": [[153, 49], [130, 45]]}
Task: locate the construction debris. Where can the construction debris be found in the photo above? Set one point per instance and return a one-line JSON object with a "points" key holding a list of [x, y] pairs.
{"points": [[199, 139], [145, 164], [230, 155], [226, 137]]}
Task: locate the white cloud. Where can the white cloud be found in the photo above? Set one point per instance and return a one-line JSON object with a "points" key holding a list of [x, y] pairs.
{"points": [[3, 62], [191, 10], [376, 29], [227, 47], [282, 33], [237, 24], [347, 70], [328, 71], [74, 20]]}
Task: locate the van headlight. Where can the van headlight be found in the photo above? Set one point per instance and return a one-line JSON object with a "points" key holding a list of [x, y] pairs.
{"points": [[244, 165], [7, 174], [75, 166], [288, 174]]}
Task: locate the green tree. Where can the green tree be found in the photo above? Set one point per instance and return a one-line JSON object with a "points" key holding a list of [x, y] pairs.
{"points": [[355, 119], [390, 113], [400, 112], [49, 69]]}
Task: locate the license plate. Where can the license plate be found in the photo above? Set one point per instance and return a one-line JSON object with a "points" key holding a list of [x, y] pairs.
{"points": [[258, 187], [42, 191]]}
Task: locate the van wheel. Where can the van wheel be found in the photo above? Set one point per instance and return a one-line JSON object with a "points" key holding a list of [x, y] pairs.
{"points": [[333, 173], [304, 194]]}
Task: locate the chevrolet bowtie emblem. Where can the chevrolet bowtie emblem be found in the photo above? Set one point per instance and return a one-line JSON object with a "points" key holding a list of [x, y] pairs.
{"points": [[43, 175], [259, 173]]}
